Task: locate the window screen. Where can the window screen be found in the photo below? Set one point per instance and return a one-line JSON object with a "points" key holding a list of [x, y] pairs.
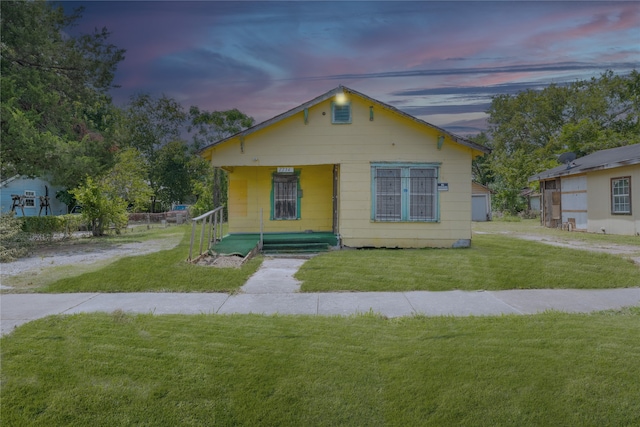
{"points": [[422, 192], [388, 195], [405, 193], [341, 113]]}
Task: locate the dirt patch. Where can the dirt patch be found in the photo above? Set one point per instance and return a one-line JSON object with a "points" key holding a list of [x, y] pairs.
{"points": [[79, 253], [221, 261], [628, 251]]}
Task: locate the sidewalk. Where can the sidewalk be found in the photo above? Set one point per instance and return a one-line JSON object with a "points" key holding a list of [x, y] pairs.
{"points": [[274, 290]]}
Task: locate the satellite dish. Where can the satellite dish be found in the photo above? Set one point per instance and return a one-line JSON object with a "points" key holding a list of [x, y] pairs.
{"points": [[567, 158]]}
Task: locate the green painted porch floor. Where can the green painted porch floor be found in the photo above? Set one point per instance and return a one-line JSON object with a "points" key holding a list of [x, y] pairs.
{"points": [[242, 244]]}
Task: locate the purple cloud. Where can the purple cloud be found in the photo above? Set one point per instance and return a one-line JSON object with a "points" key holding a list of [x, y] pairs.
{"points": [[441, 61]]}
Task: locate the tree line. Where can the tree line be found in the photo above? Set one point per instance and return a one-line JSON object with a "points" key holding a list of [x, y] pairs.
{"points": [[528, 131], [58, 121]]}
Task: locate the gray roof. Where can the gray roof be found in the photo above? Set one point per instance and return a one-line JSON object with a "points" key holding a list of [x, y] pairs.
{"points": [[603, 159], [330, 94]]}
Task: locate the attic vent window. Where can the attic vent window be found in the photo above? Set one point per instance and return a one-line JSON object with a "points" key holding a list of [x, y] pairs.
{"points": [[340, 113]]}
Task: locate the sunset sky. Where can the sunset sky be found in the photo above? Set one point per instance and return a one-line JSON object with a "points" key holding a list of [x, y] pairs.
{"points": [[439, 61]]}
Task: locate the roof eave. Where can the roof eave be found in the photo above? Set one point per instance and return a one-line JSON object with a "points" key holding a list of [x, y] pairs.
{"points": [[578, 170], [342, 89]]}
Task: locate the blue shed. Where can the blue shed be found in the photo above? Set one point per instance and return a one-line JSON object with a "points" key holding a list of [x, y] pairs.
{"points": [[27, 197]]}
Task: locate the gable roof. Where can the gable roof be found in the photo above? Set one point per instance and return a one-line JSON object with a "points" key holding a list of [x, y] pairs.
{"points": [[600, 160], [9, 180], [346, 90]]}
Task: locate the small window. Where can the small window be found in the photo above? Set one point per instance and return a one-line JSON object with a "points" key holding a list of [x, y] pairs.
{"points": [[285, 197], [621, 196], [340, 113], [29, 199]]}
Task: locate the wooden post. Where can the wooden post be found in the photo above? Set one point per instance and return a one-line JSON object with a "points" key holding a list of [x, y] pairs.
{"points": [[204, 222], [193, 235], [261, 230]]}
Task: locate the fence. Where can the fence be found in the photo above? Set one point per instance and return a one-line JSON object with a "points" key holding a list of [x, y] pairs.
{"points": [[214, 219]]}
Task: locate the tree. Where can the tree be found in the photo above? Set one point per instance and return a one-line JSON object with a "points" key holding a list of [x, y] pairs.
{"points": [[128, 179], [172, 174], [105, 200], [152, 123], [155, 126], [213, 126], [100, 207], [531, 129], [210, 127], [480, 166], [203, 189], [52, 85]]}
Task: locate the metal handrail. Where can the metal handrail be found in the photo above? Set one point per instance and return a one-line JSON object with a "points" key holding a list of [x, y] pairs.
{"points": [[215, 228]]}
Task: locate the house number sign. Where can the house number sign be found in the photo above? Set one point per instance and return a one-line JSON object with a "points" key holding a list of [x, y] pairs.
{"points": [[443, 186], [285, 170]]}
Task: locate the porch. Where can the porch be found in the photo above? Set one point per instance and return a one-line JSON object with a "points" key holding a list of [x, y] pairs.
{"points": [[242, 244]]}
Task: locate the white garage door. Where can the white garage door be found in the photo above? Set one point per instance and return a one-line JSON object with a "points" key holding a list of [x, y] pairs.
{"points": [[479, 207]]}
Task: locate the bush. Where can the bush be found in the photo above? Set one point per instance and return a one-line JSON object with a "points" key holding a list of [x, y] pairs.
{"points": [[72, 223], [46, 226], [43, 225], [13, 241]]}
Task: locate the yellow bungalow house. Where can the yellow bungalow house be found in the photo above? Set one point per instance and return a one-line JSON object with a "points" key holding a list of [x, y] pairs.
{"points": [[349, 165]]}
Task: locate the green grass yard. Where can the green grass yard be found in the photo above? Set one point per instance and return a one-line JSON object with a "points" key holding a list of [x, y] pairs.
{"points": [[497, 260], [120, 370], [493, 262], [163, 271]]}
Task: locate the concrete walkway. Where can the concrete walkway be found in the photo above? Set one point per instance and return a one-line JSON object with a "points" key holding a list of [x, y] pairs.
{"points": [[272, 289]]}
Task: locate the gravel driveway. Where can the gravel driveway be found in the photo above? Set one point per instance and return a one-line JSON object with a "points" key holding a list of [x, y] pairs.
{"points": [[81, 253]]}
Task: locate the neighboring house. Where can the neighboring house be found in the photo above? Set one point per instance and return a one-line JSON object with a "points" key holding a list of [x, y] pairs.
{"points": [[480, 202], [347, 164], [598, 193], [533, 200], [27, 197]]}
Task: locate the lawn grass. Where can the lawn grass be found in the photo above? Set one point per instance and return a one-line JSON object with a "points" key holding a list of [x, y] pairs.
{"points": [[163, 271], [515, 225], [120, 370], [493, 262]]}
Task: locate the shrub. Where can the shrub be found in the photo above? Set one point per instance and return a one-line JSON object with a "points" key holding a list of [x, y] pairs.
{"points": [[42, 225], [13, 241], [72, 223]]}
